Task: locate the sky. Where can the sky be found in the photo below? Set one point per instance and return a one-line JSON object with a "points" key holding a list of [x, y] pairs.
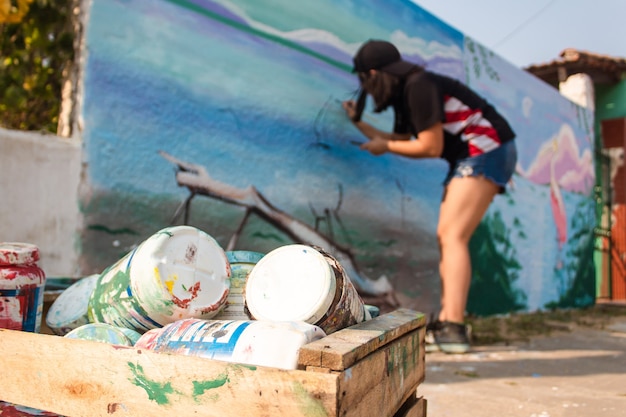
{"points": [[531, 32]]}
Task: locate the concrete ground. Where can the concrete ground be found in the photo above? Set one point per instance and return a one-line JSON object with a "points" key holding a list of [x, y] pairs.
{"points": [[578, 371]]}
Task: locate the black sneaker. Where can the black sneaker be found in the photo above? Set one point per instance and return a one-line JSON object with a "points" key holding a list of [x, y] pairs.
{"points": [[429, 339], [451, 337]]}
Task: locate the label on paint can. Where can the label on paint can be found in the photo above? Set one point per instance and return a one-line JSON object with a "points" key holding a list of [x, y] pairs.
{"points": [[251, 342]]}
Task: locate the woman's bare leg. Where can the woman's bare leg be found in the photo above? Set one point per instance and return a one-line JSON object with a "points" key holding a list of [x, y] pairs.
{"points": [[464, 204]]}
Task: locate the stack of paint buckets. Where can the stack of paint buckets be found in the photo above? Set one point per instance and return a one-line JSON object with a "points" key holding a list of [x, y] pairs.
{"points": [[180, 292]]}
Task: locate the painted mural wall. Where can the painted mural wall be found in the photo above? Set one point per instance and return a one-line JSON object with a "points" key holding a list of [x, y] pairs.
{"points": [[226, 115]]}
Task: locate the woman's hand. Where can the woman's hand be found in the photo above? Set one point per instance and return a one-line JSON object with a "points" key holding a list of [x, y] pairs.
{"points": [[376, 146], [350, 107]]}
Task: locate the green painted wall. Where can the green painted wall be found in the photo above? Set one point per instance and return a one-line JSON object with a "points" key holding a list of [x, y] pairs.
{"points": [[610, 104], [610, 101]]}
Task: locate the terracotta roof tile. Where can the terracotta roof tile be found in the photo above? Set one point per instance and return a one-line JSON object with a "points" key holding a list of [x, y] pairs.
{"points": [[603, 69]]}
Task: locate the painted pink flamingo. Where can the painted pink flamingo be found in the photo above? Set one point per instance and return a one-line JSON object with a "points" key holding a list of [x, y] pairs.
{"points": [[556, 201]]}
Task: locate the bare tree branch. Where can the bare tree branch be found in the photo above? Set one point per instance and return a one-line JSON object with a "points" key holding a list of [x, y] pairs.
{"points": [[197, 180]]}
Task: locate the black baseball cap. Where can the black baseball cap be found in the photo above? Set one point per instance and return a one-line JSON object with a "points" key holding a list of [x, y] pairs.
{"points": [[380, 55]]}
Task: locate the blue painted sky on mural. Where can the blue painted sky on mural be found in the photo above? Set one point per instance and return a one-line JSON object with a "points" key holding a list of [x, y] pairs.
{"points": [[536, 31], [172, 30]]}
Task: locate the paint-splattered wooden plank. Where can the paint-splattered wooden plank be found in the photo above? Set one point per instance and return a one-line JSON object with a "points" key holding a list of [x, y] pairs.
{"points": [[79, 378], [381, 382], [342, 349]]}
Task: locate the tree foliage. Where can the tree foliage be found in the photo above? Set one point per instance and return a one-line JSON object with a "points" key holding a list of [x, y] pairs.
{"points": [[36, 52], [495, 269], [576, 278], [13, 11]]}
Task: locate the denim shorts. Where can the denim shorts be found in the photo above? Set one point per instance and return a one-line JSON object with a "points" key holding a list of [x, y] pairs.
{"points": [[497, 166]]}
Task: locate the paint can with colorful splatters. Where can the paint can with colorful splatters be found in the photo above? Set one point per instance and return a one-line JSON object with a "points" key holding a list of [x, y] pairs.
{"points": [[22, 284], [69, 310], [179, 272], [241, 263], [104, 333], [303, 283], [259, 343]]}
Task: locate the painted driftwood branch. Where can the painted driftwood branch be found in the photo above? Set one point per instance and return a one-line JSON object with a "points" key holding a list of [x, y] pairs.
{"points": [[198, 181]]}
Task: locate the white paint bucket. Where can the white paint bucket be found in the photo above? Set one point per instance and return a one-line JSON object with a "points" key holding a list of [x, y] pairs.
{"points": [[303, 283], [241, 263], [69, 310], [259, 343], [179, 272]]}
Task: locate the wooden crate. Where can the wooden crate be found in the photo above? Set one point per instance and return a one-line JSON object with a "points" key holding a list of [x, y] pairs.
{"points": [[371, 369]]}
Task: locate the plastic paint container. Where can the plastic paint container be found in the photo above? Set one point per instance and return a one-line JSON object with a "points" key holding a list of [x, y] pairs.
{"points": [[111, 301], [179, 272], [373, 310], [241, 263], [259, 343], [104, 333], [22, 284], [303, 283], [69, 310]]}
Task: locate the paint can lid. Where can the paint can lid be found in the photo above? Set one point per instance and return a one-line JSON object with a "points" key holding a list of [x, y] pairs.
{"points": [[70, 308], [104, 333], [17, 253], [292, 282]]}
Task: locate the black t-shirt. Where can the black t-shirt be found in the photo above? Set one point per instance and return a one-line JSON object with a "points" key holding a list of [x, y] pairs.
{"points": [[471, 125]]}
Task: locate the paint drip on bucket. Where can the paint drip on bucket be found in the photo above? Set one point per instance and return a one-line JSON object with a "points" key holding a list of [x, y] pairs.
{"points": [[179, 272], [22, 284], [303, 283]]}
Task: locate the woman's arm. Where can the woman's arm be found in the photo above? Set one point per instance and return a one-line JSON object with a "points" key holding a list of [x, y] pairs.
{"points": [[367, 129], [372, 133], [429, 144]]}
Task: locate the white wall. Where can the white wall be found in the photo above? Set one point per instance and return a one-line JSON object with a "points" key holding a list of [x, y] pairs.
{"points": [[39, 181], [579, 89]]}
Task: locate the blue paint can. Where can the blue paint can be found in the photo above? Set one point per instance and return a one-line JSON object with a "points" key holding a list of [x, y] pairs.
{"points": [[241, 263]]}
